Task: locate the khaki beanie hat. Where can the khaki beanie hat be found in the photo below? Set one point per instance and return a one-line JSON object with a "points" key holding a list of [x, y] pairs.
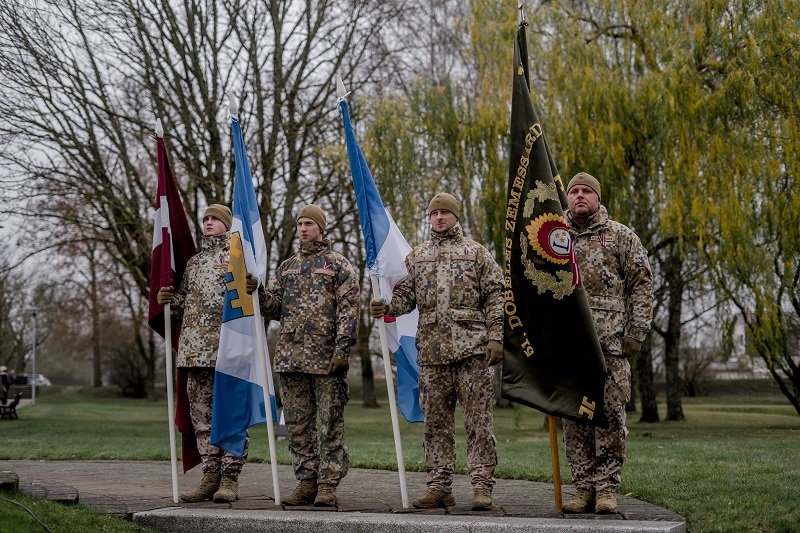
{"points": [[445, 201], [315, 213], [221, 213], [582, 178]]}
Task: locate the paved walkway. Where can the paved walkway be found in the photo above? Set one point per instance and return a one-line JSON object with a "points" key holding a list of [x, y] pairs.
{"points": [[369, 500]]}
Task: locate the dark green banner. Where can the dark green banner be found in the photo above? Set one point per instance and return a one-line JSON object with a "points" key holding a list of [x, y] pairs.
{"points": [[553, 361]]}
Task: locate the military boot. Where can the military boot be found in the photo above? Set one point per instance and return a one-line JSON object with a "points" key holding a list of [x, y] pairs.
{"points": [[435, 498], [228, 490], [606, 503], [582, 502], [326, 496], [481, 499], [303, 494], [204, 490]]}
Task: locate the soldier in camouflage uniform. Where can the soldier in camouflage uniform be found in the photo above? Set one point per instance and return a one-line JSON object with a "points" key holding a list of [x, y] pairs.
{"points": [[619, 284], [198, 304], [315, 295], [457, 286]]}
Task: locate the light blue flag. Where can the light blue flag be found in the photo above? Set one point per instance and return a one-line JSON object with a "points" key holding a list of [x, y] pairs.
{"points": [[386, 253], [238, 382]]}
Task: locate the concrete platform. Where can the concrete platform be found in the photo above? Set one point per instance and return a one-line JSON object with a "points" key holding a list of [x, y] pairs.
{"points": [[369, 500]]}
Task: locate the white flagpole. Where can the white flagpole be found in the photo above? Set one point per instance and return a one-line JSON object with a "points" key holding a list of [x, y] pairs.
{"points": [[387, 365], [262, 368], [173, 453]]}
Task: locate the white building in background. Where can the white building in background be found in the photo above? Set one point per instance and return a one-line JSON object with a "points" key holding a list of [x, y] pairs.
{"points": [[740, 364]]}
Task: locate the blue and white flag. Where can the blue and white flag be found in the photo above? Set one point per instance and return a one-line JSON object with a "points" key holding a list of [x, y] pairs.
{"points": [[238, 381], [386, 253]]}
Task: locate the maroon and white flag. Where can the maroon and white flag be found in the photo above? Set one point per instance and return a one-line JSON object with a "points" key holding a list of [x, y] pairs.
{"points": [[173, 246]]}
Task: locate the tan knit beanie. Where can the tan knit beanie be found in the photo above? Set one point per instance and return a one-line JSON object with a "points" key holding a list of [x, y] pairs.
{"points": [[445, 201], [582, 178], [221, 213], [315, 213]]}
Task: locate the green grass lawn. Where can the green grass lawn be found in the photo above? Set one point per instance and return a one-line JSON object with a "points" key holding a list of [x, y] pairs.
{"points": [[733, 465]]}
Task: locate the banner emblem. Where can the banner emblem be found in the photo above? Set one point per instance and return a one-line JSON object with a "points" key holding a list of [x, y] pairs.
{"points": [[550, 238]]}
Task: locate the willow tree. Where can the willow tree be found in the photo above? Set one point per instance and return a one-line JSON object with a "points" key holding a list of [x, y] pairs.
{"points": [[751, 232], [446, 127], [627, 88]]}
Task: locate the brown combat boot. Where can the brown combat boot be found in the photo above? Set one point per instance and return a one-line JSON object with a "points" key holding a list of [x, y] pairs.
{"points": [[228, 490], [435, 498], [606, 503], [582, 502], [303, 494], [481, 500], [326, 496], [204, 490]]}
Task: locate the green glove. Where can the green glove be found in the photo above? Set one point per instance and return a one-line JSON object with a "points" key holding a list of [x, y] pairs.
{"points": [[250, 284], [377, 309], [165, 296], [494, 352], [338, 366], [630, 347]]}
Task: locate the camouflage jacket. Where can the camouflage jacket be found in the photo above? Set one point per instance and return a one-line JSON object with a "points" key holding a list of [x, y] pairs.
{"points": [[617, 278], [315, 295], [199, 300], [458, 288]]}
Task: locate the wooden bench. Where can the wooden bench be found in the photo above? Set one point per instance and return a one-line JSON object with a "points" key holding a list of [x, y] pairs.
{"points": [[9, 410]]}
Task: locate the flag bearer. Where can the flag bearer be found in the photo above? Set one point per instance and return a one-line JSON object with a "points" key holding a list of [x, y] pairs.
{"points": [[458, 288], [619, 284], [315, 295], [198, 303]]}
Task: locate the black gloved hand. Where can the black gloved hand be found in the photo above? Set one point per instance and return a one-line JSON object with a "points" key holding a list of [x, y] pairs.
{"points": [[250, 283]]}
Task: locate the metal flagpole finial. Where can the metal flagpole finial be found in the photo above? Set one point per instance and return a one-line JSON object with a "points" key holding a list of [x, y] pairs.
{"points": [[233, 105], [341, 92], [521, 13], [159, 128]]}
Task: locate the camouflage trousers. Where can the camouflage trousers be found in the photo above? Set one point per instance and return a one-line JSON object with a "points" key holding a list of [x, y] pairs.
{"points": [[468, 381], [200, 389], [595, 455], [318, 452]]}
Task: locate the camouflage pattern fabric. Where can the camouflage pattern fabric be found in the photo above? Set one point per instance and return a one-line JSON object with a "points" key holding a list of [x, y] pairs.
{"points": [[315, 295], [319, 454], [458, 288], [595, 455], [470, 382], [619, 284], [617, 278], [200, 389], [199, 300]]}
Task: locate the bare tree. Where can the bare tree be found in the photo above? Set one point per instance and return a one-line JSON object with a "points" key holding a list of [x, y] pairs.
{"points": [[81, 83]]}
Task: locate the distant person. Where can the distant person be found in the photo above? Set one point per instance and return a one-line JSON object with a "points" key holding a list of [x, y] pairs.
{"points": [[458, 288], [617, 278], [5, 381], [198, 303], [315, 295]]}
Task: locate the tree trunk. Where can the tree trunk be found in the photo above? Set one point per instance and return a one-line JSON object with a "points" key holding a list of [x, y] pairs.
{"points": [[672, 337], [97, 371], [646, 382]]}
